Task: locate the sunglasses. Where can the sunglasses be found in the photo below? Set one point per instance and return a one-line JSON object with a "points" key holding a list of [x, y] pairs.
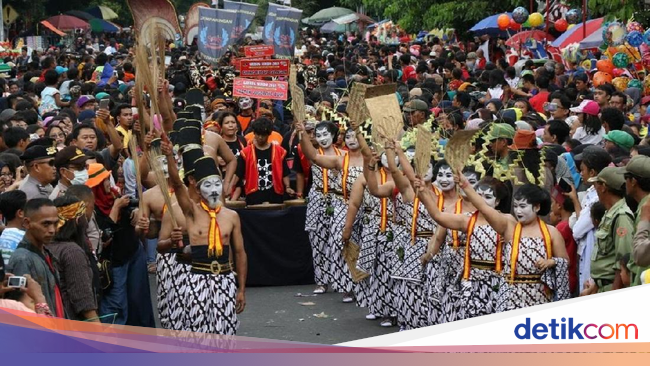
{"points": [[49, 162]]}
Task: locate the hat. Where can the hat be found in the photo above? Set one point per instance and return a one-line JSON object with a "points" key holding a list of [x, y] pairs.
{"points": [[84, 115], [189, 157], [523, 140], [501, 131], [416, 105], [70, 155], [245, 103], [216, 102], [204, 168], [180, 123], [102, 95], [96, 174], [588, 107], [620, 138], [189, 136], [42, 141], [471, 56], [523, 125], [6, 114], [611, 177], [38, 152], [60, 69], [415, 92], [639, 166], [84, 99]]}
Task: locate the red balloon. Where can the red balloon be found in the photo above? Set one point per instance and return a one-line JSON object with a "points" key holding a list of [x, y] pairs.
{"points": [[605, 66], [514, 25], [617, 72], [561, 25], [503, 21], [601, 78]]}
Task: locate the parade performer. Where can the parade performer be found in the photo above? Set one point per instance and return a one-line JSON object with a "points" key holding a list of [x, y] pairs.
{"points": [[214, 296], [535, 265]]}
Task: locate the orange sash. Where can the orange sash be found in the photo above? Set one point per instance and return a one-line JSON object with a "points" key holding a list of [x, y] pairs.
{"points": [[215, 248], [383, 203], [414, 220], [326, 171], [454, 233], [468, 257], [546, 235], [346, 165]]}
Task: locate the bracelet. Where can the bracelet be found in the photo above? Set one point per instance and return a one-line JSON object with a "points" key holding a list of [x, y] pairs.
{"points": [[372, 168]]}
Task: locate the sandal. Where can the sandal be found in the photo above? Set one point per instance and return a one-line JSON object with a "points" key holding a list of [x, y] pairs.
{"points": [[320, 289]]}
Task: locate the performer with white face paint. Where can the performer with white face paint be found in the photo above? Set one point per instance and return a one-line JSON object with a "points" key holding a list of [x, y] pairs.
{"points": [[338, 173], [482, 259], [535, 257], [215, 296]]}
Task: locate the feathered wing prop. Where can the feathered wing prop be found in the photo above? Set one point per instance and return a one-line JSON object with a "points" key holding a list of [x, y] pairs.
{"points": [[192, 23], [149, 13]]}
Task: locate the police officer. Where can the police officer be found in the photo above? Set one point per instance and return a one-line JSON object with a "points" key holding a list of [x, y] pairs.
{"points": [[614, 234], [637, 187], [39, 161]]}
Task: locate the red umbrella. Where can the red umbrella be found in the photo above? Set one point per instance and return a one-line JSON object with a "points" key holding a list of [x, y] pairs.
{"points": [[67, 22], [523, 37]]}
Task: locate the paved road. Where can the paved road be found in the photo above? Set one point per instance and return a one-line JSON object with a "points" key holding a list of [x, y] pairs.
{"points": [[276, 313]]}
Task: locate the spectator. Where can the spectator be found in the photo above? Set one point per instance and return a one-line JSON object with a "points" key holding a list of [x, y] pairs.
{"points": [[16, 138], [70, 163], [11, 207]]}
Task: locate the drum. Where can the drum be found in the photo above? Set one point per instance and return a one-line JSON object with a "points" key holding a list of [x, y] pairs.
{"points": [[296, 202], [235, 204], [266, 206]]}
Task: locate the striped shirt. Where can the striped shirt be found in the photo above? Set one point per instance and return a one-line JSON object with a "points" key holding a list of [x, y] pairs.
{"points": [[9, 241]]}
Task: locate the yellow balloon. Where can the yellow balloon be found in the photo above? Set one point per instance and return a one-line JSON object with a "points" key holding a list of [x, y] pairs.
{"points": [[586, 64], [571, 26], [535, 19]]}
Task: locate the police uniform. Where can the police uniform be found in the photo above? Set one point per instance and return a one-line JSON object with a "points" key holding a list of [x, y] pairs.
{"points": [[638, 166], [614, 234], [39, 154]]}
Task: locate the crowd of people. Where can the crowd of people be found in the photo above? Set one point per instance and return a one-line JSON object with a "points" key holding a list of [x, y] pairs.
{"points": [[552, 203]]}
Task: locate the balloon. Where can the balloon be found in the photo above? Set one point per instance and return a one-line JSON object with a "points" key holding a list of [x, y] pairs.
{"points": [[620, 83], [573, 16], [646, 61], [614, 34], [646, 37], [634, 26], [635, 83], [605, 66], [535, 19], [617, 72], [634, 38], [570, 26], [514, 25], [526, 23], [561, 25], [503, 21], [632, 53], [646, 85], [620, 60], [586, 64], [601, 78], [570, 53], [520, 15]]}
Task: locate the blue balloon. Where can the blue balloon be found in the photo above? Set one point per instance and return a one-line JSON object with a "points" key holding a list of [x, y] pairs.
{"points": [[573, 16], [646, 37], [635, 38], [520, 15]]}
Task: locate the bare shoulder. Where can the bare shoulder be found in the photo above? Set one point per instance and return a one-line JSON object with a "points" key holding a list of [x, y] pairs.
{"points": [[230, 213], [212, 136]]}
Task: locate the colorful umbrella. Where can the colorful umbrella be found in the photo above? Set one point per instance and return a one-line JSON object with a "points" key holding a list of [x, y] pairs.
{"points": [[592, 41], [103, 12], [575, 34], [489, 26], [523, 37], [80, 14], [102, 26], [326, 15], [67, 22]]}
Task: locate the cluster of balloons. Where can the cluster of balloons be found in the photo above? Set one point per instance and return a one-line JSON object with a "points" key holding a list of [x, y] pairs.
{"points": [[520, 18]]}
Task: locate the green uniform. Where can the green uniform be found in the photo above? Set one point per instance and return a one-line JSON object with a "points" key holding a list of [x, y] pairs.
{"points": [[613, 241], [635, 270]]}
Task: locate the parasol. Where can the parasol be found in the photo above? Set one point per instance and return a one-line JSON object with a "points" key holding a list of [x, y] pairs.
{"points": [[101, 25], [326, 15], [80, 14], [525, 36], [592, 41], [574, 35], [103, 12], [67, 22], [489, 26]]}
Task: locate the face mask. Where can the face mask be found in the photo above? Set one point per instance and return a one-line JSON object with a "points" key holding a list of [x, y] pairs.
{"points": [[162, 160], [80, 177], [524, 211], [429, 175], [470, 64], [211, 189], [445, 179], [324, 137], [351, 141], [488, 196]]}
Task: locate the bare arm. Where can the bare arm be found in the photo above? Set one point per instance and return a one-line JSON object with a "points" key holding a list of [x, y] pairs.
{"points": [[354, 203], [407, 169], [326, 162], [182, 196], [300, 183], [450, 221], [495, 218], [241, 262], [400, 179], [369, 168]]}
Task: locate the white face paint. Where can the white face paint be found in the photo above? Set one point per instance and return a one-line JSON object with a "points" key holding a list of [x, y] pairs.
{"points": [[488, 195], [445, 179], [179, 157], [429, 175], [351, 140], [524, 211], [162, 161], [410, 154], [324, 137], [471, 178], [211, 189], [384, 160]]}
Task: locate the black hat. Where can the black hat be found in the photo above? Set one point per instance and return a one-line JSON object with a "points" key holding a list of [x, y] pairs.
{"points": [[205, 167], [193, 123], [184, 115], [43, 141], [173, 137], [195, 110], [180, 123], [38, 152], [189, 136], [189, 157], [70, 155], [179, 104]]}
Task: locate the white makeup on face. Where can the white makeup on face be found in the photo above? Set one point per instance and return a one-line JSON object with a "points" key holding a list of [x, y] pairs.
{"points": [[351, 140], [471, 178], [429, 175], [324, 137], [211, 189], [410, 154], [524, 211], [384, 160], [162, 161], [445, 179], [488, 195]]}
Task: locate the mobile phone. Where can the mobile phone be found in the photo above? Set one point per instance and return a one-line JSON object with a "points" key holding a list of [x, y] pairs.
{"points": [[564, 185], [17, 282], [550, 107], [104, 103]]}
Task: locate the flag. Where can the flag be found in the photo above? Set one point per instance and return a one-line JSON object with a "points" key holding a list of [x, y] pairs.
{"points": [[245, 15], [287, 21], [215, 27], [269, 23]]}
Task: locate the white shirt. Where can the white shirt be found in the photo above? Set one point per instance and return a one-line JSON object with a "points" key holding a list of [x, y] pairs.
{"points": [[584, 235], [585, 138]]}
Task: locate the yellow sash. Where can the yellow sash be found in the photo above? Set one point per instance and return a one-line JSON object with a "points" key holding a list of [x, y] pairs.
{"points": [[215, 248], [546, 235]]}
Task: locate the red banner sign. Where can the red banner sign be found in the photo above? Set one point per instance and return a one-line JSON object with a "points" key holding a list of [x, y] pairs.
{"points": [[259, 51], [263, 68], [260, 89]]}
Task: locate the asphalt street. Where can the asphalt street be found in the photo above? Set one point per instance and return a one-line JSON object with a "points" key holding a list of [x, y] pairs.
{"points": [[293, 313]]}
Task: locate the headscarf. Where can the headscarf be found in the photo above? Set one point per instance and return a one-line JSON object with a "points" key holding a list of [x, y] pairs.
{"points": [[104, 201], [635, 96], [70, 212]]}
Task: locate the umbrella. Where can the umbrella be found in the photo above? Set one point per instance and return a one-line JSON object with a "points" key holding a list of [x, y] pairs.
{"points": [[325, 15], [354, 17], [574, 35], [101, 25], [103, 12], [592, 41], [523, 37], [80, 14], [333, 27], [67, 22], [489, 26]]}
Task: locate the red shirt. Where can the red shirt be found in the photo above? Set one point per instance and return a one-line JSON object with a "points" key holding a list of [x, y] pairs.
{"points": [[572, 250], [409, 73], [538, 101]]}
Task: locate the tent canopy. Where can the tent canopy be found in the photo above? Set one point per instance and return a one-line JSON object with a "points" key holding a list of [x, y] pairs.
{"points": [[592, 41], [489, 26], [575, 34], [49, 26], [323, 16]]}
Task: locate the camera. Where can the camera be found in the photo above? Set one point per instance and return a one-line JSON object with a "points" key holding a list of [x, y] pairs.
{"points": [[17, 282], [107, 234], [550, 107], [134, 203]]}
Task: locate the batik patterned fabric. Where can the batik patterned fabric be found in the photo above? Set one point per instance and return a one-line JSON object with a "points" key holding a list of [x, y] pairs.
{"points": [[451, 271], [180, 285], [164, 264], [341, 277], [212, 303], [478, 292], [553, 285], [317, 225], [367, 250]]}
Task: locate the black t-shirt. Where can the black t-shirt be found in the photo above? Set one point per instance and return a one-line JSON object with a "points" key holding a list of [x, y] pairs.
{"points": [[237, 146], [125, 242], [265, 191]]}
